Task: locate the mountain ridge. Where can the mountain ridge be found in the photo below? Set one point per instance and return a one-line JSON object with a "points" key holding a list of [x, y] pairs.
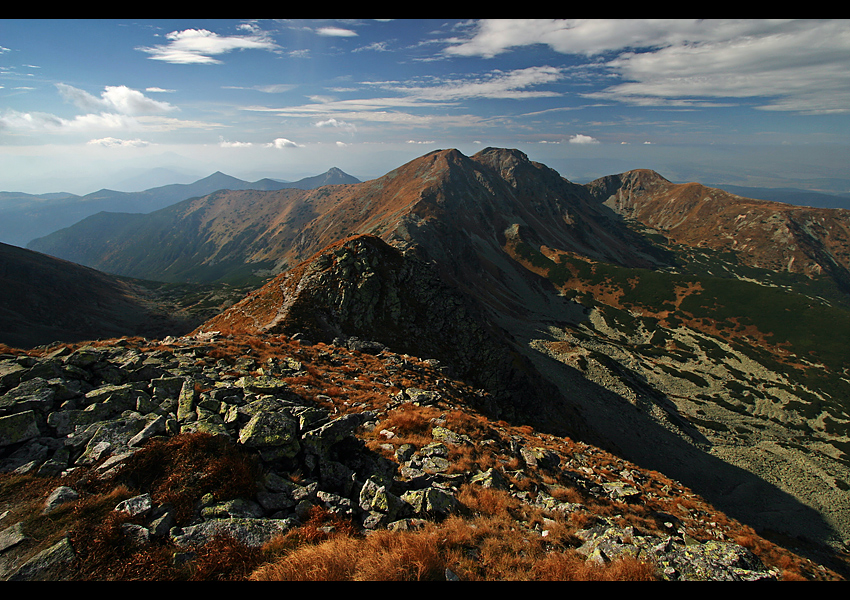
{"points": [[30, 219]]}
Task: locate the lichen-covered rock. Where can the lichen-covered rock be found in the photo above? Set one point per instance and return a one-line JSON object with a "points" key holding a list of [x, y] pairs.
{"points": [[491, 478], [238, 508], [713, 560], [43, 565], [17, 428], [186, 401], [262, 384], [376, 498], [251, 532], [278, 430], [430, 501]]}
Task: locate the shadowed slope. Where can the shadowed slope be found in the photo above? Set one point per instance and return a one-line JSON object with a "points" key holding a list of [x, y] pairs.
{"points": [[43, 299]]}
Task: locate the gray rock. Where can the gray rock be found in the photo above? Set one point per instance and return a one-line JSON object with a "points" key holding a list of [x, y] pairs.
{"points": [[430, 501], [155, 427], [491, 478], [42, 566], [18, 428], [320, 440], [136, 534], [12, 536], [278, 430], [251, 532], [136, 506], [59, 496], [239, 508]]}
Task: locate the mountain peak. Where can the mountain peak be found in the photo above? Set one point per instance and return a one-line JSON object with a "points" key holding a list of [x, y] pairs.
{"points": [[502, 154]]}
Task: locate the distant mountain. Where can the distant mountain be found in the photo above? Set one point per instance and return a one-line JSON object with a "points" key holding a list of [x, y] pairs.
{"points": [[150, 178], [24, 217]]}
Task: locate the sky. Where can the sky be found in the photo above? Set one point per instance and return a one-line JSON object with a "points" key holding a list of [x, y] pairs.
{"points": [[87, 104]]}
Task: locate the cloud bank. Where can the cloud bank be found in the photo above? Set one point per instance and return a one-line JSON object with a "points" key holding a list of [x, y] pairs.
{"points": [[782, 64]]}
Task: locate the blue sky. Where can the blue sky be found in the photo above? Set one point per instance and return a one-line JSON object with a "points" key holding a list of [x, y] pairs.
{"points": [[84, 103]]}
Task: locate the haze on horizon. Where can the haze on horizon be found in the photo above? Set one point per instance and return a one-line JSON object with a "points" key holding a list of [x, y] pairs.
{"points": [[86, 104]]}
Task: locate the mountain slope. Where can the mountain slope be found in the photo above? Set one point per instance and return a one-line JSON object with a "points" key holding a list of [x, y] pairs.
{"points": [[767, 235], [43, 299]]}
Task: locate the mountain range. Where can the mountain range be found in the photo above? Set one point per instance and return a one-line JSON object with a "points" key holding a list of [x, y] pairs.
{"points": [[693, 331], [24, 217]]}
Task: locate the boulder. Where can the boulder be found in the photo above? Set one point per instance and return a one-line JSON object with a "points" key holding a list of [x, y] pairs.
{"points": [[18, 428]]}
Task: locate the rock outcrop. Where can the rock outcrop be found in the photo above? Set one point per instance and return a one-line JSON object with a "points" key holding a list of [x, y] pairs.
{"points": [[364, 288]]}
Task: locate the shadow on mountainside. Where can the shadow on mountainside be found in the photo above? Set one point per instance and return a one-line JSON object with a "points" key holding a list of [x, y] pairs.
{"points": [[739, 493]]}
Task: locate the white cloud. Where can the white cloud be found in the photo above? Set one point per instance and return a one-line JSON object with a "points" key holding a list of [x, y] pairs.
{"points": [[38, 121], [335, 32], [785, 64], [120, 99], [424, 142], [284, 143], [583, 139], [597, 36], [225, 144], [111, 142], [332, 122], [498, 84], [376, 46], [198, 46], [158, 90]]}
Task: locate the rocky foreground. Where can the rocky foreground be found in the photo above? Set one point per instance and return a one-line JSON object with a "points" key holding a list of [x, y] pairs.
{"points": [[221, 457]]}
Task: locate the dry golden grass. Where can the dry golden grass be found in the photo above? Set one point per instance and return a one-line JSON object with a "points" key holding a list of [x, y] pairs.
{"points": [[181, 470]]}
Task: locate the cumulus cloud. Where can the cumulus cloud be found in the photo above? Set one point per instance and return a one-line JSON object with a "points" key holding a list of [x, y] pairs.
{"points": [[119, 99], [284, 143], [199, 46], [583, 139], [111, 142]]}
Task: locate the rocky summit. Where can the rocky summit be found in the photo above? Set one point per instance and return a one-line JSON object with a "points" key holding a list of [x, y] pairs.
{"points": [[469, 368]]}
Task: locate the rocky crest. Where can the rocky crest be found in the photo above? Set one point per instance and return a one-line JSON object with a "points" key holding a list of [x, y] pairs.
{"points": [[366, 289]]}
